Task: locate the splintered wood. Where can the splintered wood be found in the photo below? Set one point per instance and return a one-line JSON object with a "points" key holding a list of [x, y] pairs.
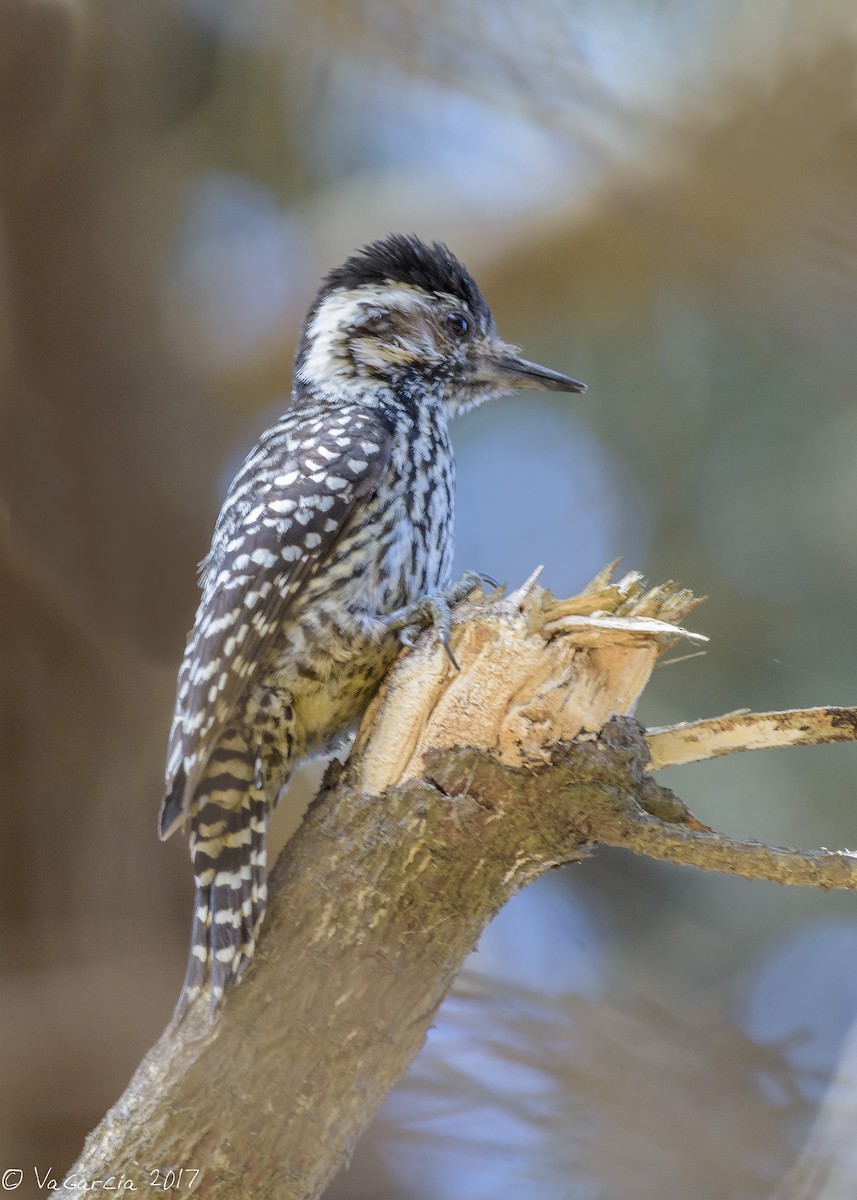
{"points": [[534, 670]]}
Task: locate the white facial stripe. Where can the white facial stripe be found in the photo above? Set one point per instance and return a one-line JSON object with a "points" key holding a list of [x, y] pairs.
{"points": [[342, 310]]}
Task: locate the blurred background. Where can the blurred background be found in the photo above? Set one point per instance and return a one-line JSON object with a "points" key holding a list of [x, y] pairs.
{"points": [[658, 198]]}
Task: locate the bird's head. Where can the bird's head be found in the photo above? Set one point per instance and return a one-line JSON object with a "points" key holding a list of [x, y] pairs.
{"points": [[407, 316]]}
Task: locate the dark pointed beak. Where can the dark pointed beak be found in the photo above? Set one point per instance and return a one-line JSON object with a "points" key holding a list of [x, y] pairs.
{"points": [[513, 372]]}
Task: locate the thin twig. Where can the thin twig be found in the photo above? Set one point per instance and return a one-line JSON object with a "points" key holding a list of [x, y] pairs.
{"points": [[672, 745]]}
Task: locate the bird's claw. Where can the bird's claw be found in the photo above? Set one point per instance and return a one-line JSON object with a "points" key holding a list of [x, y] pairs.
{"points": [[469, 582], [443, 638], [484, 580], [429, 612], [409, 634], [435, 612]]}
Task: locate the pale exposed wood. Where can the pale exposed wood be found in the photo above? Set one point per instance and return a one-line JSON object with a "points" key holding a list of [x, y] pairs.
{"points": [[534, 671], [697, 740]]}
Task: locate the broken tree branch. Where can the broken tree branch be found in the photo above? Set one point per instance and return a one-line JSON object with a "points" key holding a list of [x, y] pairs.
{"points": [[461, 788], [694, 741]]}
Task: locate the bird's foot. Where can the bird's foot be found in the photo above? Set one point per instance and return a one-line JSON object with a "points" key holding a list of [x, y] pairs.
{"points": [[435, 612]]}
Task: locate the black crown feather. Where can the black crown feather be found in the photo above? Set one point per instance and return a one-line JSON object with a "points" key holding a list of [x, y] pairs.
{"points": [[402, 258]]}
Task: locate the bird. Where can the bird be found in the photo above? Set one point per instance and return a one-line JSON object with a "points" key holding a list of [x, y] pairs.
{"points": [[333, 547]]}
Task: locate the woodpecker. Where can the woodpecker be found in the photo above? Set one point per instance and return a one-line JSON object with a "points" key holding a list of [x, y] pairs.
{"points": [[334, 543]]}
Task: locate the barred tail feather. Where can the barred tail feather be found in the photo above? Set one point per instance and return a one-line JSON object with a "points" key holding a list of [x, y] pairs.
{"points": [[227, 847]]}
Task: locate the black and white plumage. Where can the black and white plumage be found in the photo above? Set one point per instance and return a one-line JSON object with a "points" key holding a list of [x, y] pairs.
{"points": [[339, 522]]}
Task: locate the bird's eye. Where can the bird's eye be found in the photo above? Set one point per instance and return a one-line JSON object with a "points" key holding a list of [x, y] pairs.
{"points": [[457, 324]]}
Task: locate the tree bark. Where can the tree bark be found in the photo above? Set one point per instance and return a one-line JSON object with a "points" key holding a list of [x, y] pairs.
{"points": [[461, 788]]}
